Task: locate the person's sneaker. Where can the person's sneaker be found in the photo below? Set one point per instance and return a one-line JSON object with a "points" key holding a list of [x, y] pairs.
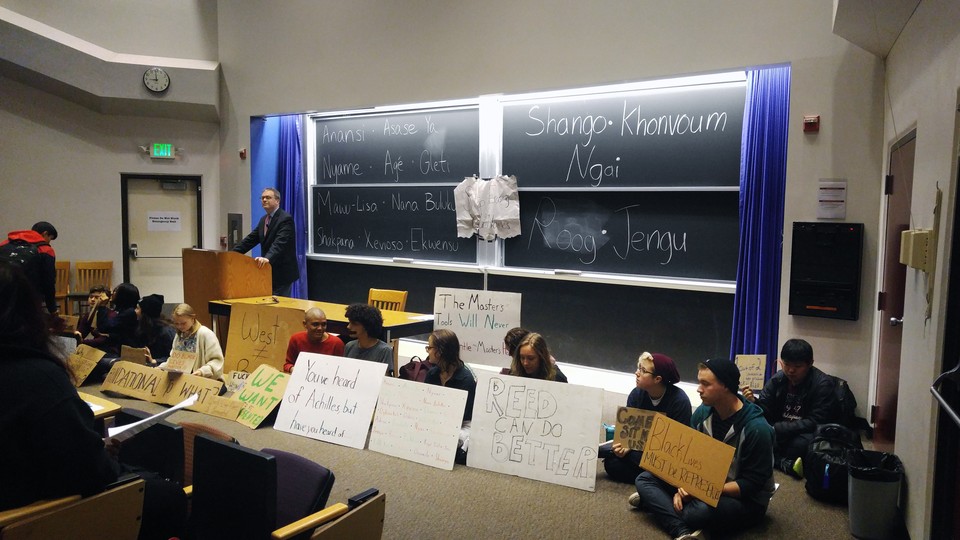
{"points": [[634, 500], [798, 467], [696, 535]]}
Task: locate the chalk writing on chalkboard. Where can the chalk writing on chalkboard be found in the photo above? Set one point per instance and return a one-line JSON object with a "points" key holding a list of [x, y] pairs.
{"points": [[684, 137], [400, 221], [677, 234], [437, 145]]}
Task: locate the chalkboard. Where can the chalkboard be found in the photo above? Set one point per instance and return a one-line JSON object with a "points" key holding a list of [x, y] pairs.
{"points": [[608, 326], [686, 234], [401, 221], [687, 136], [436, 146]]}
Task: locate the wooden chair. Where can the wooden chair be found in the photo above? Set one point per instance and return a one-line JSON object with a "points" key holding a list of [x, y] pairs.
{"points": [[115, 513], [63, 286], [365, 522], [190, 432], [216, 493], [387, 299], [90, 273], [393, 301]]}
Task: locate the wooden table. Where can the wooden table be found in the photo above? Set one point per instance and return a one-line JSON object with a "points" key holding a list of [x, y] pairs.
{"points": [[396, 324], [101, 407]]}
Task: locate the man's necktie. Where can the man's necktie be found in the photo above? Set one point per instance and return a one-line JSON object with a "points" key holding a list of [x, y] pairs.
{"points": [[266, 225]]}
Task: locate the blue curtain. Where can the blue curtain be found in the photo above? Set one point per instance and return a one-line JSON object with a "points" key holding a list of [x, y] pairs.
{"points": [[763, 171], [290, 183]]}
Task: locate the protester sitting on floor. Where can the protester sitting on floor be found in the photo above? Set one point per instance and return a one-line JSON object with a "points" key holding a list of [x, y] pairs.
{"points": [[365, 324], [97, 300], [656, 391], [193, 337], [314, 339], [443, 351], [795, 401], [154, 333], [532, 359], [117, 323], [729, 418], [51, 448]]}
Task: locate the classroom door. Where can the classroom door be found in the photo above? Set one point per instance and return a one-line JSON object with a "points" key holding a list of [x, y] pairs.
{"points": [[160, 219], [894, 276]]}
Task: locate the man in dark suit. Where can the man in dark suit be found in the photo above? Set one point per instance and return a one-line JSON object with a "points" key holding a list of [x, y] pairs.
{"points": [[278, 243]]}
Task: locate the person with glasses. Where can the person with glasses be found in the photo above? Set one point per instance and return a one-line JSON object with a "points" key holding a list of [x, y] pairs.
{"points": [[656, 391], [278, 242]]}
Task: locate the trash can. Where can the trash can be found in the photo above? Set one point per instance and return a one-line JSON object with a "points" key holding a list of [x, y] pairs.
{"points": [[873, 493]]}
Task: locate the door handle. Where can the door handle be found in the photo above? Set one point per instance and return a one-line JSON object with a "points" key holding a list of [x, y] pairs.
{"points": [[895, 321], [133, 250]]}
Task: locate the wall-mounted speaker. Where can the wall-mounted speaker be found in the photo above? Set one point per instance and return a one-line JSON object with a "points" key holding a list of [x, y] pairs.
{"points": [[825, 267]]}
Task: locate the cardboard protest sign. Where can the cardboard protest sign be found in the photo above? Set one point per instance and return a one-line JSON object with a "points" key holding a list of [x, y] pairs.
{"points": [[221, 407], [70, 323], [260, 395], [158, 386], [331, 398], [180, 362], [259, 334], [83, 361], [235, 380], [418, 422], [133, 354], [683, 457], [753, 367], [480, 319], [536, 429], [632, 427]]}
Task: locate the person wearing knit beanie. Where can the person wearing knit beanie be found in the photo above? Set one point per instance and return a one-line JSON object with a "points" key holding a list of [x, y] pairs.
{"points": [[656, 378]]}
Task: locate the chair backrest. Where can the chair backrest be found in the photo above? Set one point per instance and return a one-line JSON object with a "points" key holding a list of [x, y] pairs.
{"points": [[90, 273], [190, 431], [115, 513], [364, 522], [224, 505], [63, 278], [303, 486], [159, 448], [388, 299]]}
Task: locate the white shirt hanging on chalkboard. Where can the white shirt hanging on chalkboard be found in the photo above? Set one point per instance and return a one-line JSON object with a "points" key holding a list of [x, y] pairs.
{"points": [[489, 208]]}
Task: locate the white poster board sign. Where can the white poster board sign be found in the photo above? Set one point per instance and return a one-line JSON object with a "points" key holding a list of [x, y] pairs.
{"points": [[480, 319], [536, 429], [418, 422], [330, 398]]}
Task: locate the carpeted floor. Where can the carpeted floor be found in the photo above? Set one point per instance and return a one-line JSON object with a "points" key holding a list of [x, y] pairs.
{"points": [[424, 502]]}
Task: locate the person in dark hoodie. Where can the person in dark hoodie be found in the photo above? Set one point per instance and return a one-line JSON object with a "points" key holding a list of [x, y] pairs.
{"points": [[729, 418], [41, 268], [795, 401]]}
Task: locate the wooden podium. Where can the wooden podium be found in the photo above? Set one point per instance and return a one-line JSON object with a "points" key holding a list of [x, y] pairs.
{"points": [[220, 275]]}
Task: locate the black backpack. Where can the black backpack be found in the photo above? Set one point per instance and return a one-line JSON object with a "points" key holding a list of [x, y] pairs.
{"points": [[825, 467], [24, 254], [848, 403]]}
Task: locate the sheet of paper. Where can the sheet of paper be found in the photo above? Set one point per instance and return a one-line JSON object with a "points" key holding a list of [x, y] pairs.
{"points": [[122, 433]]}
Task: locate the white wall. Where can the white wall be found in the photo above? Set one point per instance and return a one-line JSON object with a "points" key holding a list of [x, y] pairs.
{"points": [[60, 162], [923, 76]]}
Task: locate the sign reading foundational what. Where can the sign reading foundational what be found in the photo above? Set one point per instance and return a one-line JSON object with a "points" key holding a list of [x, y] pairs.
{"points": [[158, 386], [536, 429], [683, 457], [331, 398]]}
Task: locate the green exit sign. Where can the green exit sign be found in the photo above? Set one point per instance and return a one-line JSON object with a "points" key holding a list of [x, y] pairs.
{"points": [[162, 151]]}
